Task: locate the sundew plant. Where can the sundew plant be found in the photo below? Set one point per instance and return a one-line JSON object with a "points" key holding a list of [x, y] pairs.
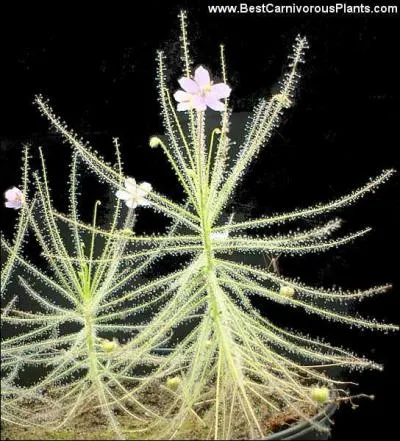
{"points": [[63, 328], [233, 367]]}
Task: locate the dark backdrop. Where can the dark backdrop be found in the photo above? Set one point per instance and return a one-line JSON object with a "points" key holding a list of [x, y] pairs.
{"points": [[98, 70]]}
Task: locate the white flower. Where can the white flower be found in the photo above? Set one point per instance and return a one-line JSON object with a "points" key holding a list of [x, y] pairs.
{"points": [[134, 195], [15, 198], [200, 92]]}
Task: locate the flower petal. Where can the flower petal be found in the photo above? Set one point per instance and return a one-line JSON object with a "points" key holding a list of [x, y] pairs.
{"points": [[122, 194], [13, 194], [141, 193], [199, 103], [212, 101], [131, 203], [130, 185], [220, 90], [13, 204], [143, 202], [182, 96], [145, 186], [188, 85], [202, 77], [187, 105]]}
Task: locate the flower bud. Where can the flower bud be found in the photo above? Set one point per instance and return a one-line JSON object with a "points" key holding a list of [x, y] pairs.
{"points": [[154, 142], [173, 383], [286, 291], [320, 394], [108, 345]]}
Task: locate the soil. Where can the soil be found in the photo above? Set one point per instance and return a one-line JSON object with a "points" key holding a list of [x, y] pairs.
{"points": [[92, 425]]}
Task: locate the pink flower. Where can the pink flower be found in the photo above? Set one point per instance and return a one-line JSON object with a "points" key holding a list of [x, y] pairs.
{"points": [[15, 198], [134, 195], [200, 93]]}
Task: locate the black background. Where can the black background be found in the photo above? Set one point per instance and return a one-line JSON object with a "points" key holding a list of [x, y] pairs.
{"points": [[98, 67]]}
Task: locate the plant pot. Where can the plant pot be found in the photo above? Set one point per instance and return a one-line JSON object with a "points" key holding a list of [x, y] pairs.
{"points": [[305, 430]]}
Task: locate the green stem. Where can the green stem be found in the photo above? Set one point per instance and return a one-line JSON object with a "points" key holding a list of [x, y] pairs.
{"points": [[94, 373]]}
